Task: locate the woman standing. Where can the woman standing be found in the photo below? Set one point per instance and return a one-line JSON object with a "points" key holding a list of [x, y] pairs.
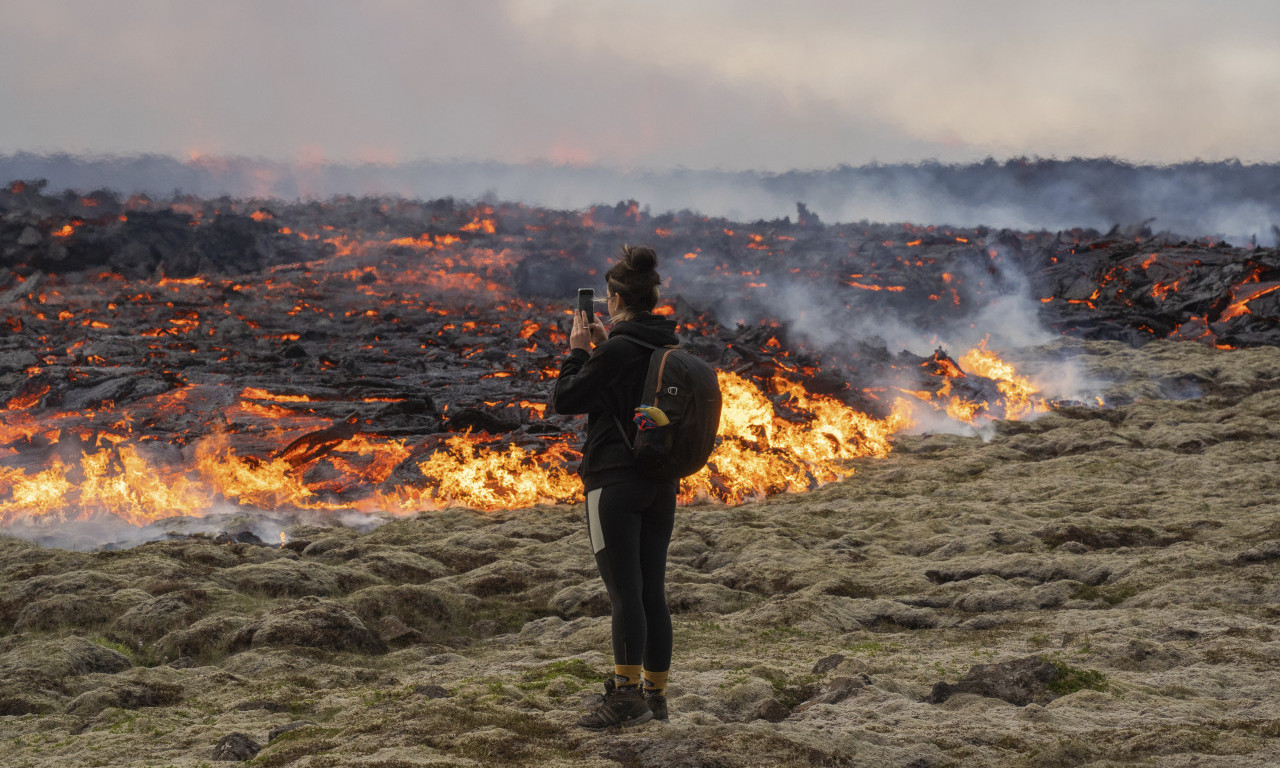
{"points": [[629, 515]]}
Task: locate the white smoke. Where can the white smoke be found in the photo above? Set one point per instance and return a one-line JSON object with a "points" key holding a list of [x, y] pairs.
{"points": [[109, 532], [1227, 201]]}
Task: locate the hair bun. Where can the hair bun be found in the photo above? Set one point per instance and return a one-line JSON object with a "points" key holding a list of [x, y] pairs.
{"points": [[634, 278], [640, 258]]}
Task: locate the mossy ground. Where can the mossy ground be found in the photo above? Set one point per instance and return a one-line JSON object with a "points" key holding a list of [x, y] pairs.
{"points": [[1111, 543]]}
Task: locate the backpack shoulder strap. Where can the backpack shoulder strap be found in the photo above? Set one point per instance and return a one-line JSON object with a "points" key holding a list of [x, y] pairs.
{"points": [[654, 347], [623, 432], [643, 343]]}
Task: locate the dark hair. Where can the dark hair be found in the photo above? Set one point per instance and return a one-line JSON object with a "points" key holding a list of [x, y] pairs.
{"points": [[635, 278]]}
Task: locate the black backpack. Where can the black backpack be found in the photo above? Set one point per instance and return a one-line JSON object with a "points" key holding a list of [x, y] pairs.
{"points": [[685, 389]]}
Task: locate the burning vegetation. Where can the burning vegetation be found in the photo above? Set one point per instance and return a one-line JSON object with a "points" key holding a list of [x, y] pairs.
{"points": [[172, 358]]}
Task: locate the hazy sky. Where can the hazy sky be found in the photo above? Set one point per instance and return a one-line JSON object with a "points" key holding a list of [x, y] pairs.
{"points": [[761, 85]]}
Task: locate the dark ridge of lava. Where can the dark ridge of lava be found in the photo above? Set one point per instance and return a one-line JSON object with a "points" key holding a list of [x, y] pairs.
{"points": [[1131, 285]]}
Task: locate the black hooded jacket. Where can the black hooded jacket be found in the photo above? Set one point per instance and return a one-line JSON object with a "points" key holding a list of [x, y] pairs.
{"points": [[605, 383]]}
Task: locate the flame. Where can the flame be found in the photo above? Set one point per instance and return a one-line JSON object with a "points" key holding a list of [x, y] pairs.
{"points": [[1018, 396], [117, 480], [945, 366], [271, 484], [480, 225], [123, 483], [67, 230], [761, 453], [466, 472], [960, 409], [36, 495]]}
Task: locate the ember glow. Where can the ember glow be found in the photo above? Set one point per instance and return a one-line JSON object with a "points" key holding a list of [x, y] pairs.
{"points": [[1245, 294]]}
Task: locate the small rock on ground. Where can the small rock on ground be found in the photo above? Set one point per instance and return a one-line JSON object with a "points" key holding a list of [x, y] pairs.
{"points": [[236, 747]]}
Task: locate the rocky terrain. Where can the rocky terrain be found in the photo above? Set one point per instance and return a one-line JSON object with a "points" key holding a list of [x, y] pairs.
{"points": [[1095, 587]]}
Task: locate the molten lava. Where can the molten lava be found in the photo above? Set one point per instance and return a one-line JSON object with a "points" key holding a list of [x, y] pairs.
{"points": [[404, 372]]}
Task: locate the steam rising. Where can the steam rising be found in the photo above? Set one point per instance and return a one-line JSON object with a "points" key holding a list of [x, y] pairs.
{"points": [[827, 318], [108, 532]]}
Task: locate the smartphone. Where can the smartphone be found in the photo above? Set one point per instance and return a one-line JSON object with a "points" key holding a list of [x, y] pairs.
{"points": [[587, 302]]}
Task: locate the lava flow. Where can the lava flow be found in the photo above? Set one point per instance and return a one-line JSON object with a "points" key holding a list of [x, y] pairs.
{"points": [[372, 355], [339, 467]]}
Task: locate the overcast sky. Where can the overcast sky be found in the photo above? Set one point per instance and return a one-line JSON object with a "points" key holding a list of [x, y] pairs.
{"points": [[655, 84]]}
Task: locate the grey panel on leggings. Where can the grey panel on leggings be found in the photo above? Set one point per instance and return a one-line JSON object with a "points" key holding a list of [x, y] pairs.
{"points": [[593, 520]]}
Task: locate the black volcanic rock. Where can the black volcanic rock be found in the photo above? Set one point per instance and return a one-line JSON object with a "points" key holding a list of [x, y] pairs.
{"points": [[1020, 681], [235, 747]]}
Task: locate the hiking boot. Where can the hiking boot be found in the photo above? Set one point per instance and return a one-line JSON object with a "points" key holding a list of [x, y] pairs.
{"points": [[621, 707], [657, 704]]}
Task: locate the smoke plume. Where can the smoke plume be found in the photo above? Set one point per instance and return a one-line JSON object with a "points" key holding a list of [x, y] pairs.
{"points": [[1229, 200]]}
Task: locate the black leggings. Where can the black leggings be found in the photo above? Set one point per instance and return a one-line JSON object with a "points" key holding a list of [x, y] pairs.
{"points": [[630, 525]]}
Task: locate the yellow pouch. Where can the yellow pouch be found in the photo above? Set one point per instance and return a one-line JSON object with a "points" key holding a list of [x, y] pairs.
{"points": [[654, 413]]}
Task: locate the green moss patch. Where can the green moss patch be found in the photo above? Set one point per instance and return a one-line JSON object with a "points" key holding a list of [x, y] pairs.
{"points": [[581, 675], [1071, 679]]}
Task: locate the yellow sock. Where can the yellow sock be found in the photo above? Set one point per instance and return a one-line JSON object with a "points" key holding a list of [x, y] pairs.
{"points": [[656, 681], [626, 675]]}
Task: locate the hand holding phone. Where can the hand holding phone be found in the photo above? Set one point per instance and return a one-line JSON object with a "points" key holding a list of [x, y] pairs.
{"points": [[587, 328]]}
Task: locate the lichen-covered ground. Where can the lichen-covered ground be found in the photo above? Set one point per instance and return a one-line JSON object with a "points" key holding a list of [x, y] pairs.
{"points": [[1135, 548]]}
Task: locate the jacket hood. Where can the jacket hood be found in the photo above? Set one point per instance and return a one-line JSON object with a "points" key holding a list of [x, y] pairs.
{"points": [[649, 327]]}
